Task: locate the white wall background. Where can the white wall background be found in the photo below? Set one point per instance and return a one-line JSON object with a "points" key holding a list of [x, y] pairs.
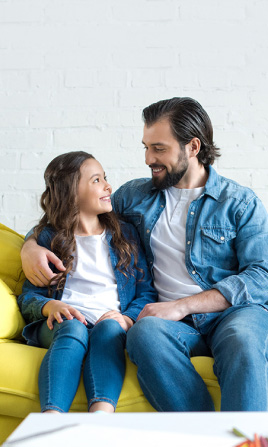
{"points": [[76, 74]]}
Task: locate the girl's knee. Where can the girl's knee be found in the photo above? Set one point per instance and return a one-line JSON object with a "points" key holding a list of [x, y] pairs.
{"points": [[108, 329], [73, 329]]}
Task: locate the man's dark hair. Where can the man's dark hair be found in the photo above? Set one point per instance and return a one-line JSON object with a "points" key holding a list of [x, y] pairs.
{"points": [[188, 120]]}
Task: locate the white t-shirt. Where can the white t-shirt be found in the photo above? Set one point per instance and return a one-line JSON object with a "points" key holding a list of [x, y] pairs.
{"points": [[171, 278], [91, 287]]}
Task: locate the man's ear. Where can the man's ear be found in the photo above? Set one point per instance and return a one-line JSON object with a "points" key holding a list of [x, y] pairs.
{"points": [[194, 147]]}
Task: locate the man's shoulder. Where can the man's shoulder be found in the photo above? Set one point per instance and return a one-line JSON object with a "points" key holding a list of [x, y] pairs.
{"points": [[140, 184], [135, 197], [222, 188], [134, 190], [231, 188]]}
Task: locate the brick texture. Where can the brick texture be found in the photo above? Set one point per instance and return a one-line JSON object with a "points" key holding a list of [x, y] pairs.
{"points": [[75, 74]]}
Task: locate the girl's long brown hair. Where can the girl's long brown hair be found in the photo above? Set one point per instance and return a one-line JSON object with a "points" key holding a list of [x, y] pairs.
{"points": [[59, 202]]}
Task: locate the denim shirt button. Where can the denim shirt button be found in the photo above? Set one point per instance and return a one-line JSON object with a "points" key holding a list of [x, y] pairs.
{"points": [[193, 272], [192, 213], [222, 238], [147, 231], [188, 242]]}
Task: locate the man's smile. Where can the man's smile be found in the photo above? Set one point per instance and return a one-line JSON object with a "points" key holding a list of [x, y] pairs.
{"points": [[157, 169]]}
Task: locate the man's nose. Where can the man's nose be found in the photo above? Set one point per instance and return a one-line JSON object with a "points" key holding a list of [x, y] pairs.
{"points": [[149, 157]]}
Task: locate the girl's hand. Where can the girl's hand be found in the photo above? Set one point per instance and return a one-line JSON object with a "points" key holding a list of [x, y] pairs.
{"points": [[124, 321], [54, 310]]}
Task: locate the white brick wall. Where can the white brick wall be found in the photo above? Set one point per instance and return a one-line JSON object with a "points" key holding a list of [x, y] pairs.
{"points": [[75, 74]]}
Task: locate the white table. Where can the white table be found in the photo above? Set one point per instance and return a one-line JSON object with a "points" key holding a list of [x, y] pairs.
{"points": [[139, 428]]}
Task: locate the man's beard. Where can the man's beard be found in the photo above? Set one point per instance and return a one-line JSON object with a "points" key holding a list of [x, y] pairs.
{"points": [[171, 178]]}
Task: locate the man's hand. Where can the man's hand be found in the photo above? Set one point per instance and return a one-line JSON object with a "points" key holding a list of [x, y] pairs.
{"points": [[124, 321], [54, 310], [204, 302], [170, 310], [35, 261]]}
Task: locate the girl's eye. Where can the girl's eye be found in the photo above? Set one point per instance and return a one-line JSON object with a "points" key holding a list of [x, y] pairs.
{"points": [[96, 180]]}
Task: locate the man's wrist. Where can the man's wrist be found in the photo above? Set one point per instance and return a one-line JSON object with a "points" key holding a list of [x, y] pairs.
{"points": [[204, 302], [128, 321], [184, 306], [30, 241]]}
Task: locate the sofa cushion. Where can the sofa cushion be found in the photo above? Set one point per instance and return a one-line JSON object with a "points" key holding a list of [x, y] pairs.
{"points": [[10, 263], [19, 394], [11, 320]]}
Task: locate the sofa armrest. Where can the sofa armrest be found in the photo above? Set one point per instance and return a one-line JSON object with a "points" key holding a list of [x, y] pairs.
{"points": [[11, 320]]}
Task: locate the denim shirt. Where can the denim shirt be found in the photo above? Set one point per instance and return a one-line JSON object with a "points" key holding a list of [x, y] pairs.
{"points": [[134, 291], [226, 246]]}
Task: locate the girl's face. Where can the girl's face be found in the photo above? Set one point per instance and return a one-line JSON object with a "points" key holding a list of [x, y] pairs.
{"points": [[94, 193]]}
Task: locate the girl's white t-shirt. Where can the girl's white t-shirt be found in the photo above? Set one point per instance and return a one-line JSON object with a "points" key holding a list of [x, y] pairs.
{"points": [[91, 287], [171, 278]]}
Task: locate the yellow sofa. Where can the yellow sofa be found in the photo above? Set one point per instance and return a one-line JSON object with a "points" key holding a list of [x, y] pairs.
{"points": [[19, 363]]}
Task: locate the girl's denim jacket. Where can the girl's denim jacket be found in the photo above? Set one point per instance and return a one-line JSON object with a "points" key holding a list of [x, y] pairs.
{"points": [[226, 244], [134, 292]]}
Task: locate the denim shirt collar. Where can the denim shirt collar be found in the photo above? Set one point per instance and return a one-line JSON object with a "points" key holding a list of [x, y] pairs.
{"points": [[212, 186]]}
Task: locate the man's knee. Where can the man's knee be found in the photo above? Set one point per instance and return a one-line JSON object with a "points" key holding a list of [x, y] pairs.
{"points": [[243, 334], [144, 328], [143, 335]]}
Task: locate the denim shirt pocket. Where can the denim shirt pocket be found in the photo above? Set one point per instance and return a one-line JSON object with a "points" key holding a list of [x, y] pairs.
{"points": [[218, 247]]}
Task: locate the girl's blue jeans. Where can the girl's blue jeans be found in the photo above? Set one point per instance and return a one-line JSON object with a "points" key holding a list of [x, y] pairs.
{"points": [[72, 347], [237, 339]]}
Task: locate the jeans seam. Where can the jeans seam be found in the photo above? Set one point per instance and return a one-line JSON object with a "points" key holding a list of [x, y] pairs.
{"points": [[48, 374]]}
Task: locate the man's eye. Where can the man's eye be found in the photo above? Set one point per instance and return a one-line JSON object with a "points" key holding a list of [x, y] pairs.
{"points": [[105, 178]]}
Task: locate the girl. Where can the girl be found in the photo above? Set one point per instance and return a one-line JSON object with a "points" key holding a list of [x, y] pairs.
{"points": [[84, 314]]}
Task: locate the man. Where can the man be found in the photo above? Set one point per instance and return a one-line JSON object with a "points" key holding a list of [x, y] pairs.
{"points": [[206, 240]]}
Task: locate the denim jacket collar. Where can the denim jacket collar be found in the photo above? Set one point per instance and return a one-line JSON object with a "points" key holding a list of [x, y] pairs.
{"points": [[213, 185]]}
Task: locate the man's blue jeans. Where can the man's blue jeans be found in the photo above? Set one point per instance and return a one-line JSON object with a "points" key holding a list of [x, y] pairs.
{"points": [[100, 347], [237, 339]]}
